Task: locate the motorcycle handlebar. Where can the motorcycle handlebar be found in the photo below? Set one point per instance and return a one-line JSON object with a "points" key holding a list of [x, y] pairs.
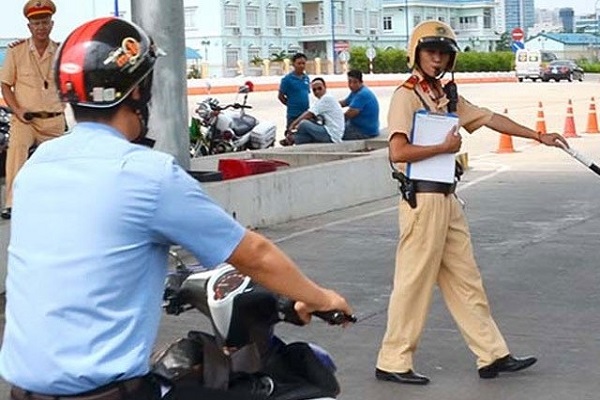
{"points": [[333, 317], [234, 105]]}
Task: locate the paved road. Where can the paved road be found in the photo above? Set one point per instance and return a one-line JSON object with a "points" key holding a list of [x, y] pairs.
{"points": [[520, 100], [534, 221]]}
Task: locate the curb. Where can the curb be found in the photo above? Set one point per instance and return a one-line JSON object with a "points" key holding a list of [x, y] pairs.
{"points": [[203, 86], [197, 87]]}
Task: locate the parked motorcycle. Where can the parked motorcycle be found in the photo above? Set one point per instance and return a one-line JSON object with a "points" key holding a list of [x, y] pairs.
{"points": [[5, 115], [244, 355], [227, 128]]}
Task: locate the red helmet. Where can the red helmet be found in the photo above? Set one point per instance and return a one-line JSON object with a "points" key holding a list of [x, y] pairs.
{"points": [[102, 61]]}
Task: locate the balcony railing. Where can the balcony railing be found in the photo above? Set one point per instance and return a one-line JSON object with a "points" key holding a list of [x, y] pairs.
{"points": [[320, 30]]}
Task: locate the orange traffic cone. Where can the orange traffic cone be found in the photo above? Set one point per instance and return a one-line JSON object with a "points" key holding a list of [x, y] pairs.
{"points": [[506, 144], [540, 125], [569, 131], [592, 125]]}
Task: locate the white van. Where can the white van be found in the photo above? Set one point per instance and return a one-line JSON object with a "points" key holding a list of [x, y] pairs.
{"points": [[530, 63]]}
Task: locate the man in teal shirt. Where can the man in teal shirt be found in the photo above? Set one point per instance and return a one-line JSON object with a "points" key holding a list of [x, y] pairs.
{"points": [[294, 91]]}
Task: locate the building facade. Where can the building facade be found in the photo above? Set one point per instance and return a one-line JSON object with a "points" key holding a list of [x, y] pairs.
{"points": [[518, 14], [236, 36]]}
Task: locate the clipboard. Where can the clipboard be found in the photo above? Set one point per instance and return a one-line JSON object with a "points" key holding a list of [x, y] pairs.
{"points": [[429, 129]]}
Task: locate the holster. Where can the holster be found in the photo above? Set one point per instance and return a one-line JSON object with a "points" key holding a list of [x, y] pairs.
{"points": [[407, 188]]}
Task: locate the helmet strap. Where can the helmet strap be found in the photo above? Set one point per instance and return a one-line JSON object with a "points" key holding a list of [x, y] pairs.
{"points": [[141, 107]]}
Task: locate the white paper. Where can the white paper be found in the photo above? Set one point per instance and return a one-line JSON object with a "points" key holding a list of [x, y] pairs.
{"points": [[430, 129]]}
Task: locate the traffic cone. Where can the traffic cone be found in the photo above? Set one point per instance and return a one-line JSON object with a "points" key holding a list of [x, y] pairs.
{"points": [[540, 125], [506, 144], [569, 131], [592, 125]]}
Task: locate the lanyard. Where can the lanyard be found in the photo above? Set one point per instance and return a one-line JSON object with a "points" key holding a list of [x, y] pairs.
{"points": [[45, 77]]}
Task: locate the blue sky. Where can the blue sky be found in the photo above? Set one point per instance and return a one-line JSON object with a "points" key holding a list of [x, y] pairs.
{"points": [[580, 6], [69, 15]]}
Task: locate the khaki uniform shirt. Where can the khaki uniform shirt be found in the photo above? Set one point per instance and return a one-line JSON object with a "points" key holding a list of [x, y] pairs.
{"points": [[26, 71], [405, 103]]}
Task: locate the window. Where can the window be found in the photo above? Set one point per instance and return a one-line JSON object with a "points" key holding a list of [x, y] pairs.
{"points": [[359, 19], [387, 23], [252, 17], [231, 58], [339, 12], [465, 23], [416, 20], [373, 20], [487, 18], [189, 17], [232, 16], [273, 17], [253, 54], [290, 18], [453, 23]]}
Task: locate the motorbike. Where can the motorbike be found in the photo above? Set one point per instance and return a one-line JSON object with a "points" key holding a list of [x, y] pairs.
{"points": [[244, 355], [5, 115], [217, 128]]}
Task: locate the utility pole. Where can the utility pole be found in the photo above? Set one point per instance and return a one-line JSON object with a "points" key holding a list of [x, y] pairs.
{"points": [[164, 22], [333, 34]]}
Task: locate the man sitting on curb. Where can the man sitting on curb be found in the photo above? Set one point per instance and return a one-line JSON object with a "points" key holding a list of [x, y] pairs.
{"points": [[322, 123], [362, 115]]}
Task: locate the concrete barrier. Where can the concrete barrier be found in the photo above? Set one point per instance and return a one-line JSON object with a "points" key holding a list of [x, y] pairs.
{"points": [[319, 179]]}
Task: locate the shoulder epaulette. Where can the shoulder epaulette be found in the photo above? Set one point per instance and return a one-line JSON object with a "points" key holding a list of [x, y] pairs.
{"points": [[411, 82], [16, 43]]}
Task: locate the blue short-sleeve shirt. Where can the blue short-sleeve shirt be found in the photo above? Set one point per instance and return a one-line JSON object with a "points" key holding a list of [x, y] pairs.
{"points": [[93, 218], [297, 89], [367, 121]]}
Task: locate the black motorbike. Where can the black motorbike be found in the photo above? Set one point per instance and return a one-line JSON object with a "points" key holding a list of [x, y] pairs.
{"points": [[5, 115], [244, 355]]}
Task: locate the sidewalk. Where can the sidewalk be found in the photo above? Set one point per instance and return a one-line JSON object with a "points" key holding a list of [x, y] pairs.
{"points": [[271, 83]]}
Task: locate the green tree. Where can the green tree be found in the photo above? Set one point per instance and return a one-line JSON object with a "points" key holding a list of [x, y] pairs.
{"points": [[503, 44]]}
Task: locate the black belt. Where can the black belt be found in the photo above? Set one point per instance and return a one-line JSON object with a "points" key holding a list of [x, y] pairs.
{"points": [[40, 114], [116, 391], [434, 187]]}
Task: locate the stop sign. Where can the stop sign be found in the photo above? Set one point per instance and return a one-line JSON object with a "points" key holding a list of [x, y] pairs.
{"points": [[517, 34]]}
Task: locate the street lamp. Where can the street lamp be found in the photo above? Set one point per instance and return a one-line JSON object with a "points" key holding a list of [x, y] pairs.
{"points": [[597, 17], [333, 33], [205, 43], [406, 21]]}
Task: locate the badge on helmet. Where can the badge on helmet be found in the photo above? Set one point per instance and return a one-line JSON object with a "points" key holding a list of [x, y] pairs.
{"points": [[38, 8], [102, 61]]}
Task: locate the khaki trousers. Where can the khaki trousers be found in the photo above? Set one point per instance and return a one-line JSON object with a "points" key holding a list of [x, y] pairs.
{"points": [[435, 247], [22, 137]]}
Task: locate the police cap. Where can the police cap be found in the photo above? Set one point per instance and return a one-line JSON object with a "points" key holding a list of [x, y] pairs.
{"points": [[35, 8]]}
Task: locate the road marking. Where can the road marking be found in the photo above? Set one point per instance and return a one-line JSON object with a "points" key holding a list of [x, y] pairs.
{"points": [[499, 168]]}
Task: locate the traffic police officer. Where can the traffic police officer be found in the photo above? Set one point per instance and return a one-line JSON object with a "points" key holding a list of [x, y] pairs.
{"points": [[435, 244], [29, 89]]}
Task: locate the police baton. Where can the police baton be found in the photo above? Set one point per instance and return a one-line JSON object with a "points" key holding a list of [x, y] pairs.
{"points": [[581, 158]]}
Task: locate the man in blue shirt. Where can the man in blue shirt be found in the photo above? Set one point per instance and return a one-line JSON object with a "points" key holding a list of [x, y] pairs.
{"points": [[86, 265], [362, 115], [294, 91]]}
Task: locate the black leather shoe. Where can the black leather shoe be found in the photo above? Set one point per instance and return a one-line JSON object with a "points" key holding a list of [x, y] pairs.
{"points": [[506, 364], [6, 213], [409, 377]]}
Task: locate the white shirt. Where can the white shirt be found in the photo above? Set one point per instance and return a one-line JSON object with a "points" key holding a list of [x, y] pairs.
{"points": [[329, 108]]}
